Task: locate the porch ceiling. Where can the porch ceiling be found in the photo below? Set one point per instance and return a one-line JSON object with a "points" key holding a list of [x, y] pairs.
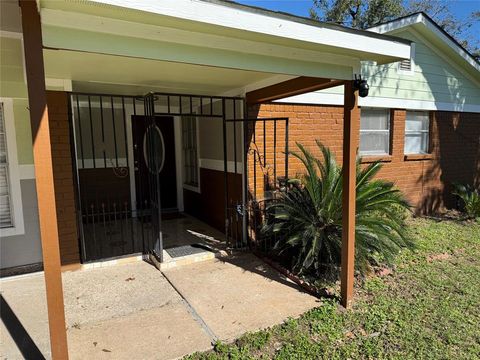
{"points": [[212, 34], [224, 18], [93, 72]]}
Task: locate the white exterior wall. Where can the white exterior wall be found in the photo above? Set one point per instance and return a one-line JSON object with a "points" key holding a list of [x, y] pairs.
{"points": [[435, 84]]}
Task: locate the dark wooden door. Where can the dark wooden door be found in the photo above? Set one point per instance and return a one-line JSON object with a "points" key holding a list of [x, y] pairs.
{"points": [[164, 143]]}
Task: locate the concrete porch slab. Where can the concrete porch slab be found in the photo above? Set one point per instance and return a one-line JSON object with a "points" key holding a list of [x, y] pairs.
{"points": [[133, 311], [239, 293], [126, 311], [168, 332]]}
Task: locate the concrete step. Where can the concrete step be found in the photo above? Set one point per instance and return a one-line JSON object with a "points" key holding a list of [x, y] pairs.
{"points": [[170, 262]]}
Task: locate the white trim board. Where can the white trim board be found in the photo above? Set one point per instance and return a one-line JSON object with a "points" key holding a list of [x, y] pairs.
{"points": [[26, 172], [65, 84], [11, 34], [380, 102], [218, 165]]}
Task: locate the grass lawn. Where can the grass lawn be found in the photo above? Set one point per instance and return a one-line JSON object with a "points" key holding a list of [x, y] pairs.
{"points": [[427, 308]]}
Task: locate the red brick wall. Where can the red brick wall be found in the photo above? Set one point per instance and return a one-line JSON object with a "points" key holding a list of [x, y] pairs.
{"points": [[455, 145], [63, 176]]}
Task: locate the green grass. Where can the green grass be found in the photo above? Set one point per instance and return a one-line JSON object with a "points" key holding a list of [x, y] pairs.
{"points": [[427, 308]]}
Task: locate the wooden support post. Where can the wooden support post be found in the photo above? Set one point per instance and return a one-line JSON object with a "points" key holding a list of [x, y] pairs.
{"points": [[351, 128], [42, 155]]}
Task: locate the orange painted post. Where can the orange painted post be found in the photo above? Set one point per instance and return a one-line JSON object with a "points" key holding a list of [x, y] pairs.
{"points": [[42, 156], [351, 128]]}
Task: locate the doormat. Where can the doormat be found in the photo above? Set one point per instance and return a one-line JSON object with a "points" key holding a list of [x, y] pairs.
{"points": [[186, 250]]}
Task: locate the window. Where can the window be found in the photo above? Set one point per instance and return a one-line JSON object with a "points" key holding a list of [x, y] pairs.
{"points": [[6, 218], [11, 209], [417, 129], [374, 131], [190, 151]]}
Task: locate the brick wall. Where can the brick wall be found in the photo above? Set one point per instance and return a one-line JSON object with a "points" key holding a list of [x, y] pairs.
{"points": [[455, 145], [63, 176]]}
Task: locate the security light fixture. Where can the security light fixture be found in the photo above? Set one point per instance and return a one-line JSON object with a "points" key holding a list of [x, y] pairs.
{"points": [[361, 85]]}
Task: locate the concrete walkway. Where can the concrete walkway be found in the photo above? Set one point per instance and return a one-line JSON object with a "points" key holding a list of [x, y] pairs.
{"points": [[133, 311]]}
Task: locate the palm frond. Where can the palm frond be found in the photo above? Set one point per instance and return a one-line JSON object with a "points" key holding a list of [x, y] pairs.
{"points": [[307, 219]]}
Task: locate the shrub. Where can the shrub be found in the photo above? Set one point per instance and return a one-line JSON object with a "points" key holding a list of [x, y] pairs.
{"points": [[470, 199], [307, 219]]}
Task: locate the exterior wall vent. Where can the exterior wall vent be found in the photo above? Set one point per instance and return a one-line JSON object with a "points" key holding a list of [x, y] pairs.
{"points": [[405, 65]]}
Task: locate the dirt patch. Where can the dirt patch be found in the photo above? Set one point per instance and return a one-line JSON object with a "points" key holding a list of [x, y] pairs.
{"points": [[436, 257]]}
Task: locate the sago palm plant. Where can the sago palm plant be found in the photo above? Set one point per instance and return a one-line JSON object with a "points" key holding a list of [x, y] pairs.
{"points": [[470, 200], [307, 219]]}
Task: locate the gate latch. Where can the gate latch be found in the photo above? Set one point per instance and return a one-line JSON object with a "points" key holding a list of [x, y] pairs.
{"points": [[240, 209]]}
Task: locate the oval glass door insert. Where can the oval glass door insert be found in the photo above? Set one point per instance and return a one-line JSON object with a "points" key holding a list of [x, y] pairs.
{"points": [[154, 149]]}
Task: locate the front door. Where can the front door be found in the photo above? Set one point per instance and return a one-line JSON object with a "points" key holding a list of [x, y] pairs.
{"points": [[164, 142]]}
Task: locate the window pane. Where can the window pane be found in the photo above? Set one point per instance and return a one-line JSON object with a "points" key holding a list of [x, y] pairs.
{"points": [[3, 139], [5, 217], [374, 119], [5, 211], [3, 149], [416, 143], [375, 131], [417, 121], [5, 208], [417, 132], [189, 145], [374, 143]]}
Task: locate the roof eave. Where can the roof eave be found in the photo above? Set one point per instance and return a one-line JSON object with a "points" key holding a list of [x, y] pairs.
{"points": [[426, 23], [377, 47]]}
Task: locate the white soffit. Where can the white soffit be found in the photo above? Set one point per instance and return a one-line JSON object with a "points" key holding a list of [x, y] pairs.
{"points": [[234, 16]]}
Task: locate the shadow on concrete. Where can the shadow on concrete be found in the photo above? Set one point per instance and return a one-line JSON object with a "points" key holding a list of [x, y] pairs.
{"points": [[19, 334], [254, 264]]}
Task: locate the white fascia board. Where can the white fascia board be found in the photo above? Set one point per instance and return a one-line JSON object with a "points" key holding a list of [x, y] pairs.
{"points": [[396, 24], [316, 98], [429, 25], [319, 98], [236, 18]]}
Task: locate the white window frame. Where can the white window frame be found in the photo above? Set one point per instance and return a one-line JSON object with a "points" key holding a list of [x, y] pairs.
{"points": [[197, 135], [389, 131], [417, 132], [410, 72], [16, 204]]}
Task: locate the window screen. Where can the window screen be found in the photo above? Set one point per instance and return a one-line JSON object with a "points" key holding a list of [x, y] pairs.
{"points": [[374, 131], [5, 202], [190, 152], [417, 129]]}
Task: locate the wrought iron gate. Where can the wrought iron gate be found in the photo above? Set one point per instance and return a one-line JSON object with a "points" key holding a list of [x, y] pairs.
{"points": [[120, 162], [265, 174]]}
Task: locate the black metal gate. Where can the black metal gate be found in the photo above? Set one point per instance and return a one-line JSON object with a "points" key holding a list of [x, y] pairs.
{"points": [[120, 162], [265, 174]]}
